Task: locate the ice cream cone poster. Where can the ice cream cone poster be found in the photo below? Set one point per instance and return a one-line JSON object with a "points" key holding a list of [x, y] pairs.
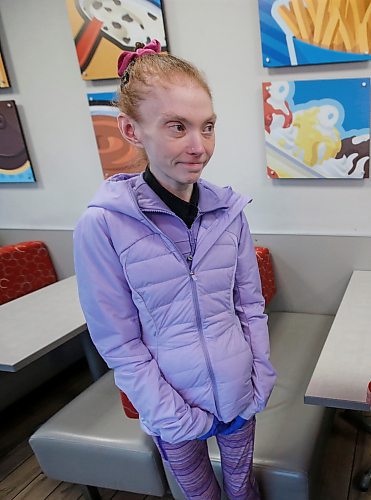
{"points": [[4, 81], [116, 154], [317, 128], [102, 29], [15, 163], [298, 32]]}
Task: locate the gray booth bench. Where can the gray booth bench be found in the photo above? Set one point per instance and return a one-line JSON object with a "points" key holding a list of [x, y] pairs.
{"points": [[92, 442]]}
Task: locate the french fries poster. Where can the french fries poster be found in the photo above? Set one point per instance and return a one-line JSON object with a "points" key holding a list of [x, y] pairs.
{"points": [[300, 32], [317, 128], [102, 29], [116, 154]]}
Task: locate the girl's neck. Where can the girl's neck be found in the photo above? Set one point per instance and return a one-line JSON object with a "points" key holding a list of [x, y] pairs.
{"points": [[182, 191], [184, 194]]}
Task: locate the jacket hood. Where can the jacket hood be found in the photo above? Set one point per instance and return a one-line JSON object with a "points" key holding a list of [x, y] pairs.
{"points": [[130, 194]]}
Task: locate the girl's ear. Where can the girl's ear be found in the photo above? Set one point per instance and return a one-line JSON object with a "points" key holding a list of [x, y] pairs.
{"points": [[128, 127]]}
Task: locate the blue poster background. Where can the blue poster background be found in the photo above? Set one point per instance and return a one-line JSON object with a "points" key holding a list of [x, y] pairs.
{"points": [[273, 39], [352, 93], [275, 50]]}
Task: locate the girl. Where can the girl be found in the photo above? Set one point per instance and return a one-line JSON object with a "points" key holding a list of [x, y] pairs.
{"points": [[169, 283]]}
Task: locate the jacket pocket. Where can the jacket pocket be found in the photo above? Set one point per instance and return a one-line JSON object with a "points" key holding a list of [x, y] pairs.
{"points": [[239, 328], [242, 335]]}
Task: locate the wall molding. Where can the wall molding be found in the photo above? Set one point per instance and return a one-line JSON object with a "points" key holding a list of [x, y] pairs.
{"points": [[253, 232]]}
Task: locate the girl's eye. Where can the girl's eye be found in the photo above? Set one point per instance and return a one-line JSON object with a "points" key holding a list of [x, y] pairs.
{"points": [[209, 129], [177, 127]]}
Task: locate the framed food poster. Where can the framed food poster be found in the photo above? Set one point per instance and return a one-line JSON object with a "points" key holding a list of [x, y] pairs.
{"points": [[15, 165], [317, 129], [4, 80], [299, 32], [102, 29], [116, 154]]}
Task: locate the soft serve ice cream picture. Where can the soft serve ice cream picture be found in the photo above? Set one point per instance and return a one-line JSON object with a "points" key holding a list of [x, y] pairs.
{"points": [[317, 129]]}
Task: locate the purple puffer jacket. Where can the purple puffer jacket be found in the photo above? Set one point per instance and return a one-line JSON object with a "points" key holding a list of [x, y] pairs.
{"points": [[176, 312]]}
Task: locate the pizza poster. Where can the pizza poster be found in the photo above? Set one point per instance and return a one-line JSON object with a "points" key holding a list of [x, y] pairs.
{"points": [[300, 32], [317, 129], [102, 29]]}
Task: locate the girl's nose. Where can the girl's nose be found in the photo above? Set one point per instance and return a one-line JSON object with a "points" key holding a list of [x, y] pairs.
{"points": [[196, 144]]}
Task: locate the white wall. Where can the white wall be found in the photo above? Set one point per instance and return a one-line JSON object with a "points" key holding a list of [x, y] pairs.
{"points": [[221, 37]]}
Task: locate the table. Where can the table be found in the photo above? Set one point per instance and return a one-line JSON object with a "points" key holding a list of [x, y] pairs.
{"points": [[343, 370], [38, 322]]}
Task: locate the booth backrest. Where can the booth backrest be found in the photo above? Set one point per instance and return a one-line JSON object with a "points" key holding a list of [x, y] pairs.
{"points": [[24, 267], [268, 289]]}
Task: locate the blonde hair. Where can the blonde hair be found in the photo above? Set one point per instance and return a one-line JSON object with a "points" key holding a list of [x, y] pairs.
{"points": [[151, 70]]}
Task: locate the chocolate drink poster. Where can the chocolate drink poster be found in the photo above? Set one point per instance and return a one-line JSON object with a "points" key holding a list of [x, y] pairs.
{"points": [[116, 154], [102, 29], [317, 128], [299, 32], [15, 163]]}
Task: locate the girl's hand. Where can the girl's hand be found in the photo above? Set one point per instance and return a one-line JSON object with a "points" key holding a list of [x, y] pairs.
{"points": [[233, 426], [222, 428], [216, 428]]}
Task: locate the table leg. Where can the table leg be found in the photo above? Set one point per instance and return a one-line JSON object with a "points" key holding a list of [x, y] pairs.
{"points": [[365, 481], [90, 492], [96, 364], [361, 420]]}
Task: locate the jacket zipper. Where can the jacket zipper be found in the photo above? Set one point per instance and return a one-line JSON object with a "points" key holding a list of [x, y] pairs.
{"points": [[192, 244], [202, 336], [193, 279]]}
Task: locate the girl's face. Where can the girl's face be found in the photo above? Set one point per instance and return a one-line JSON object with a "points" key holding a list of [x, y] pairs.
{"points": [[177, 132]]}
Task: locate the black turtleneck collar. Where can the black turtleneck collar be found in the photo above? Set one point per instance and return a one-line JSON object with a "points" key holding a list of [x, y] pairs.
{"points": [[186, 211]]}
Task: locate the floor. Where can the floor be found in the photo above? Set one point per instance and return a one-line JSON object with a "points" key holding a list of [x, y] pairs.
{"points": [[348, 450]]}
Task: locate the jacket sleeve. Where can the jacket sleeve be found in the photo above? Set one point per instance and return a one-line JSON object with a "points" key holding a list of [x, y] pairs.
{"points": [[115, 329], [249, 306]]}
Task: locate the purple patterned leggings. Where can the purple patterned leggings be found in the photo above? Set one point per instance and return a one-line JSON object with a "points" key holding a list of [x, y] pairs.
{"points": [[190, 464]]}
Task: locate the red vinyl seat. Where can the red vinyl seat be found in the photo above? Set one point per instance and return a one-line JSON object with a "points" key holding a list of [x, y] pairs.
{"points": [[266, 273], [24, 268]]}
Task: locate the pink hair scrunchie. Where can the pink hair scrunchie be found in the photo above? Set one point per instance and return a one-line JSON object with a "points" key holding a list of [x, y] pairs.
{"points": [[153, 47]]}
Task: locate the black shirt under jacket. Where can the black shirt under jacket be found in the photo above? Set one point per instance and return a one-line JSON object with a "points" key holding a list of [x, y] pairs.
{"points": [[186, 211]]}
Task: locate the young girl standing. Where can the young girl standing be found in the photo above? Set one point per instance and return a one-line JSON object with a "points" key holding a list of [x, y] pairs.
{"points": [[169, 283]]}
